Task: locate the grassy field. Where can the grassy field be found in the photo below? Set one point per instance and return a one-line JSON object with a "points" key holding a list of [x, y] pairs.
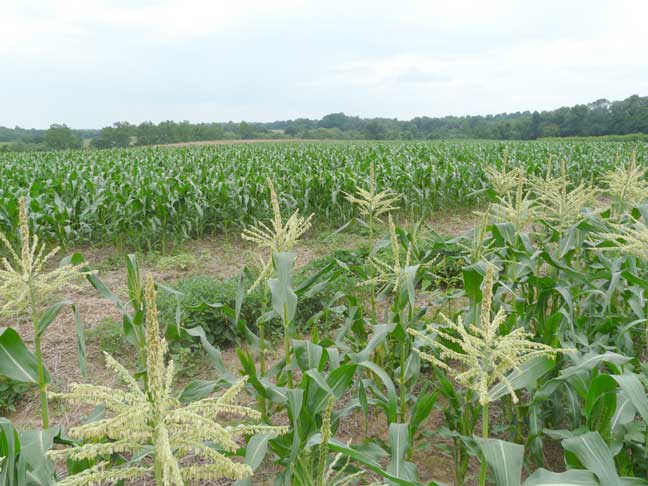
{"points": [[454, 313]]}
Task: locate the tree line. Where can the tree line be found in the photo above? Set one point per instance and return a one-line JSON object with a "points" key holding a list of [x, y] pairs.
{"points": [[600, 118]]}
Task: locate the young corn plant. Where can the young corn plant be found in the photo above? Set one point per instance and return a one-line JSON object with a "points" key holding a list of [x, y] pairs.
{"points": [[398, 280], [315, 469], [560, 204], [373, 205], [485, 357], [186, 441], [501, 180], [517, 208], [27, 288], [626, 185], [277, 237]]}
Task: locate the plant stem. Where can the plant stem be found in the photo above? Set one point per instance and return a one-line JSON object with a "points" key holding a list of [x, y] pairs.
{"points": [[42, 385], [403, 404], [262, 361], [158, 473], [372, 289], [484, 467], [287, 346]]}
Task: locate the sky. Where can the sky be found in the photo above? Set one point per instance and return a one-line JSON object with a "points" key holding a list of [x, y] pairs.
{"points": [[89, 63]]}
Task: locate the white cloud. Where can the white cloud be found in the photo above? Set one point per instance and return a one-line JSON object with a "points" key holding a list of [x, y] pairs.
{"points": [[92, 62]]}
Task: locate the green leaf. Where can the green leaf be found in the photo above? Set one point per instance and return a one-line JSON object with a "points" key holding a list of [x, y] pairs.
{"points": [[336, 446], [254, 453], [134, 281], [398, 437], [421, 411], [284, 299], [595, 455], [213, 352], [197, 390], [590, 361], [473, 275], [505, 459], [35, 444], [336, 383], [50, 314], [573, 477], [295, 402], [10, 450], [16, 361], [525, 376], [391, 405], [307, 354], [635, 391], [600, 404], [380, 333], [633, 482]]}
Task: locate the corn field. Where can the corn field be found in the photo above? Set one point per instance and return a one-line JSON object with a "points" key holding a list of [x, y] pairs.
{"points": [[152, 198], [516, 353]]}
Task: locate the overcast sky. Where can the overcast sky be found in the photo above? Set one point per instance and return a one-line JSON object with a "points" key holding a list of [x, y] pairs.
{"points": [[89, 63]]}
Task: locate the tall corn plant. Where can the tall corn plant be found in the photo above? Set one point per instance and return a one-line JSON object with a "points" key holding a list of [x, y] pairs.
{"points": [[151, 417], [28, 288]]}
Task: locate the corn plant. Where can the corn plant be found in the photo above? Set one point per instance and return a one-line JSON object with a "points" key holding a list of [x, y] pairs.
{"points": [[152, 198], [151, 417], [27, 287]]}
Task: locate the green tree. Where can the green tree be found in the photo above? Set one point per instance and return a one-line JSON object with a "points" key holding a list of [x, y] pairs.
{"points": [[119, 135], [246, 131], [60, 137]]}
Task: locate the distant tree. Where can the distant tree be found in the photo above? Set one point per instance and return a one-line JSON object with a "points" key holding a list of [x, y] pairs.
{"points": [[60, 137], [534, 129], [375, 130], [245, 131], [119, 135], [550, 130], [334, 120]]}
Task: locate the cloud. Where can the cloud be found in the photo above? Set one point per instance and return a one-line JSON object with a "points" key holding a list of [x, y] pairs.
{"points": [[89, 63]]}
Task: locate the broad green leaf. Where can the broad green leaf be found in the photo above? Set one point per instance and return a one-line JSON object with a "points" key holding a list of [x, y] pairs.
{"points": [[336, 383], [380, 333], [10, 450], [368, 462], [624, 413], [398, 437], [635, 391], [197, 390], [525, 377], [600, 404], [35, 445], [307, 354], [573, 477], [590, 361], [284, 299], [254, 453], [505, 460], [595, 455], [392, 399], [295, 402], [16, 361], [421, 411]]}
